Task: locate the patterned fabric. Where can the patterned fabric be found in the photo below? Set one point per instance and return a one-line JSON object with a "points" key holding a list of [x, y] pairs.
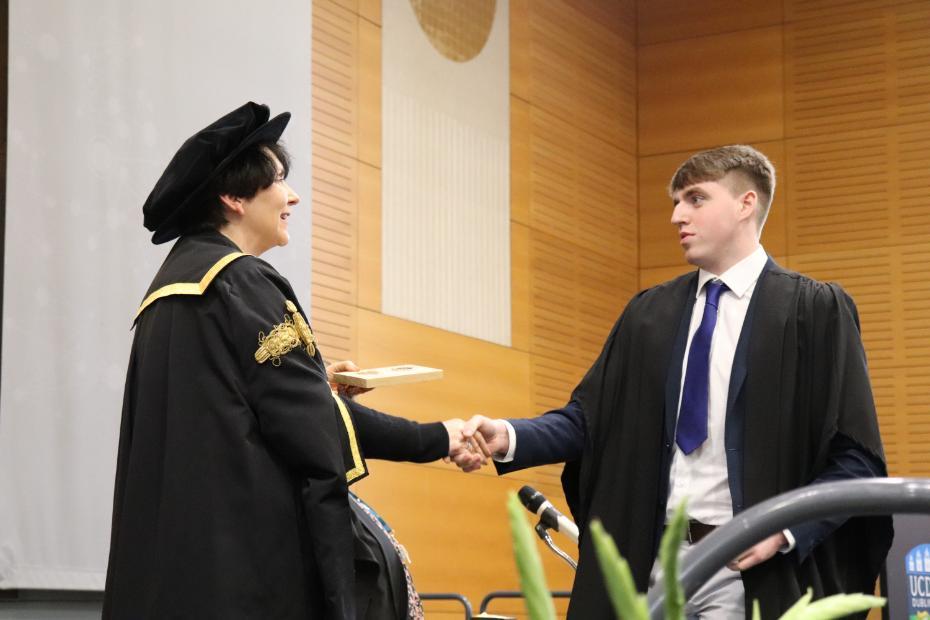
{"points": [[414, 606]]}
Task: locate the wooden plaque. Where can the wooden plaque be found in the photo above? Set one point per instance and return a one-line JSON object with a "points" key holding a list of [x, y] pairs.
{"points": [[388, 375]]}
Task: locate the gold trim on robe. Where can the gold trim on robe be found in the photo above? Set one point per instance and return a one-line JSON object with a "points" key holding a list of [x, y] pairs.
{"points": [[189, 288], [359, 465]]}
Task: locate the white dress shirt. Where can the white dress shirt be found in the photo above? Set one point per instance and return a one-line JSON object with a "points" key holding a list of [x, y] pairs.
{"points": [[702, 475]]}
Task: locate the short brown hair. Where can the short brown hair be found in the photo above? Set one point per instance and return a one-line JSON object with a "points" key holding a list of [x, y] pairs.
{"points": [[745, 162]]}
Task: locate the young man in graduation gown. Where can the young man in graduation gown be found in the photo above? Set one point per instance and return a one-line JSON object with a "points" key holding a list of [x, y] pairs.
{"points": [[726, 386], [235, 457]]}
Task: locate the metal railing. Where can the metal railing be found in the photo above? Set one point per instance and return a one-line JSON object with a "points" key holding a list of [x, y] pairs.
{"points": [[864, 497], [448, 596], [490, 596]]}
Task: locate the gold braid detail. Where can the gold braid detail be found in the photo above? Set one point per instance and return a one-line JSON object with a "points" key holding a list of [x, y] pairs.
{"points": [[282, 339]]}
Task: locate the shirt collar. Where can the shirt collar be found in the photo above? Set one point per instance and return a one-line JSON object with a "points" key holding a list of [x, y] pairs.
{"points": [[741, 277]]}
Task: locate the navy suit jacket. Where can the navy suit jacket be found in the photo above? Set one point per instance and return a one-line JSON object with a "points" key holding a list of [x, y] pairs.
{"points": [[559, 436]]}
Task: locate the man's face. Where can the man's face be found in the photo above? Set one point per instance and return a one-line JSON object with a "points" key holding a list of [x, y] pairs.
{"points": [[267, 212], [707, 216]]}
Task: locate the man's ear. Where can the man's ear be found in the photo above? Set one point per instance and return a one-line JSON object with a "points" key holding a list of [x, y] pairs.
{"points": [[232, 203], [747, 204]]}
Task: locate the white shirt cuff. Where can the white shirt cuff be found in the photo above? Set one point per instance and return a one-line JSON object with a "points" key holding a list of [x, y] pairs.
{"points": [[512, 435], [791, 542]]}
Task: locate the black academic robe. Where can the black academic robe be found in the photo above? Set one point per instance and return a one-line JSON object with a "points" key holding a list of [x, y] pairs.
{"points": [[231, 495], [805, 379]]}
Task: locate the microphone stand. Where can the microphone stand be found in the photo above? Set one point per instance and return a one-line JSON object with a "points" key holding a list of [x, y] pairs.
{"points": [[543, 533]]}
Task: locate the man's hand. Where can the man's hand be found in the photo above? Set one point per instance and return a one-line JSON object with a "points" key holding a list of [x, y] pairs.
{"points": [[760, 552], [460, 448], [349, 391], [494, 434]]}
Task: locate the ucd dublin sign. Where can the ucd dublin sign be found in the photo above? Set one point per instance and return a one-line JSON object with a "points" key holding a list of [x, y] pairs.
{"points": [[917, 569]]}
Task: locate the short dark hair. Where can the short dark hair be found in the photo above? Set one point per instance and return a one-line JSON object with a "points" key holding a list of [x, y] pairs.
{"points": [[251, 171], [751, 168]]}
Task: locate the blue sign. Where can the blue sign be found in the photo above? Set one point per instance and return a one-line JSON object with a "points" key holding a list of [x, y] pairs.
{"points": [[917, 567]]}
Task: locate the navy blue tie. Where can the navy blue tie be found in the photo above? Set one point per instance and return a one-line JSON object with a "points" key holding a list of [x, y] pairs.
{"points": [[692, 417]]}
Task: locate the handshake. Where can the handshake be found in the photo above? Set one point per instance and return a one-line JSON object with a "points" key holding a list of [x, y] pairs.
{"points": [[472, 443]]}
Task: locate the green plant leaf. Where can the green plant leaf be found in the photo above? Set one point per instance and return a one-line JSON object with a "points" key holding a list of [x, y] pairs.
{"points": [[628, 603], [840, 606], [795, 610], [532, 578], [668, 558]]}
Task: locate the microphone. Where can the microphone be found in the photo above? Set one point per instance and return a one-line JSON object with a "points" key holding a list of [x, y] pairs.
{"points": [[535, 502]]}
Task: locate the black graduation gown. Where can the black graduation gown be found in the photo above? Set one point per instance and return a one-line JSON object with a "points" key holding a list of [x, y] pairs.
{"points": [[231, 495], [806, 379]]}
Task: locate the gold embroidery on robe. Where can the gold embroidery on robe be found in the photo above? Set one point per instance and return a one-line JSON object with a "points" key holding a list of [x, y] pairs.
{"points": [[285, 337], [282, 339], [303, 329]]}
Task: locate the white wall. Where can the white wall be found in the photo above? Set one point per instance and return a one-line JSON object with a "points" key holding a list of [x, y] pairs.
{"points": [[445, 218], [101, 94]]}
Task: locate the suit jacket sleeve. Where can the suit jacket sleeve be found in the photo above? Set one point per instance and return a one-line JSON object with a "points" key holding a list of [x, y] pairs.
{"points": [[557, 436], [847, 461]]}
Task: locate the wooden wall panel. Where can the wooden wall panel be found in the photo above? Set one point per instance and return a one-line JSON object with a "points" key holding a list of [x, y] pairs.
{"points": [[835, 74], [577, 68], [829, 10], [836, 183], [334, 231], [652, 276], [659, 21], [335, 68], [576, 298], [369, 237], [521, 41], [334, 326], [368, 111], [912, 62], [370, 10], [478, 376], [658, 241], [335, 178], [913, 418], [520, 286], [859, 189], [913, 179], [582, 189], [863, 68], [711, 91], [521, 160]]}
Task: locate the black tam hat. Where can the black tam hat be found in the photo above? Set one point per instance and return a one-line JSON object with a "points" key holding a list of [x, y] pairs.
{"points": [[200, 159]]}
